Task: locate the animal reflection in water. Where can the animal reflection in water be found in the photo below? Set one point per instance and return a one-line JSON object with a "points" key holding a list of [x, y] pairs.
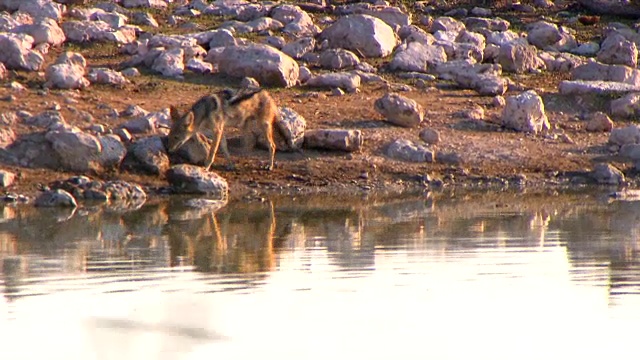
{"points": [[238, 241]]}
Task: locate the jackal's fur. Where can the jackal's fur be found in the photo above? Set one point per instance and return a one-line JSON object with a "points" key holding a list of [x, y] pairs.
{"points": [[205, 114], [255, 113]]}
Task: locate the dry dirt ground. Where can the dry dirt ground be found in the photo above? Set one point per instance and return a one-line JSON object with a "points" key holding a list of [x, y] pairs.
{"points": [[492, 156]]}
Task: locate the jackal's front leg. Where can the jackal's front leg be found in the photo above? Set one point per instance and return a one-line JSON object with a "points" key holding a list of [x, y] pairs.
{"points": [[217, 137]]}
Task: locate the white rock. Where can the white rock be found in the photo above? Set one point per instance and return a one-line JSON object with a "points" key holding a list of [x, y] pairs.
{"points": [[107, 76], [305, 74], [7, 137], [130, 72], [407, 150], [473, 38], [114, 20], [561, 62], [449, 36], [55, 198], [42, 8], [627, 106], [7, 179], [217, 38], [44, 30], [604, 72], [298, 22], [498, 101], [335, 59], [461, 51], [72, 58], [199, 66], [88, 31], [517, 58], [616, 49], [476, 113], [481, 12], [150, 154], [248, 12], [445, 23], [292, 126], [344, 80], [266, 64], [490, 53], [161, 4], [170, 63], [599, 122], [412, 33], [573, 87], [77, 151], [17, 52], [630, 151], [483, 78], [416, 56], [624, 136], [607, 174], [147, 122], [175, 41], [277, 42], [193, 52], [391, 15], [482, 23], [334, 139], [236, 27], [543, 34], [48, 119], [112, 151], [189, 179], [525, 112], [366, 34], [298, 48], [430, 136], [134, 110], [502, 38], [214, 55], [144, 18], [400, 110], [68, 72], [265, 24], [590, 48]]}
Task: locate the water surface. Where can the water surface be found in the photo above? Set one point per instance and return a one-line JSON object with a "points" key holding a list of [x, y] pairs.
{"points": [[475, 276]]}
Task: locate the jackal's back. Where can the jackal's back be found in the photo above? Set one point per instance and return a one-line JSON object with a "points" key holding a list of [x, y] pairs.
{"points": [[256, 104]]}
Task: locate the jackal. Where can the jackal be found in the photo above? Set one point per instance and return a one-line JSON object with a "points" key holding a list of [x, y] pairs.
{"points": [[255, 113], [205, 114]]}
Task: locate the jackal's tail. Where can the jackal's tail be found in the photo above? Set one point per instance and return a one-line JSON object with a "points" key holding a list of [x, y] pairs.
{"points": [[232, 98]]}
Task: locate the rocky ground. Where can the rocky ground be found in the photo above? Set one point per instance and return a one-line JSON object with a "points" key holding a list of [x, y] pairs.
{"points": [[471, 140]]}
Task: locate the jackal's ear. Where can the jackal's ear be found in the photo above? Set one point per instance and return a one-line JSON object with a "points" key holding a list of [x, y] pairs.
{"points": [[173, 112], [188, 119]]}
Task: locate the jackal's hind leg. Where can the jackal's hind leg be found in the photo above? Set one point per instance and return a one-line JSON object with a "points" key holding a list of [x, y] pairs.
{"points": [[225, 151], [268, 132], [249, 139]]}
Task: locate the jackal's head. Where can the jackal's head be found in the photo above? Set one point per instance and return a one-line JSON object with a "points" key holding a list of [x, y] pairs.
{"points": [[182, 128]]}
